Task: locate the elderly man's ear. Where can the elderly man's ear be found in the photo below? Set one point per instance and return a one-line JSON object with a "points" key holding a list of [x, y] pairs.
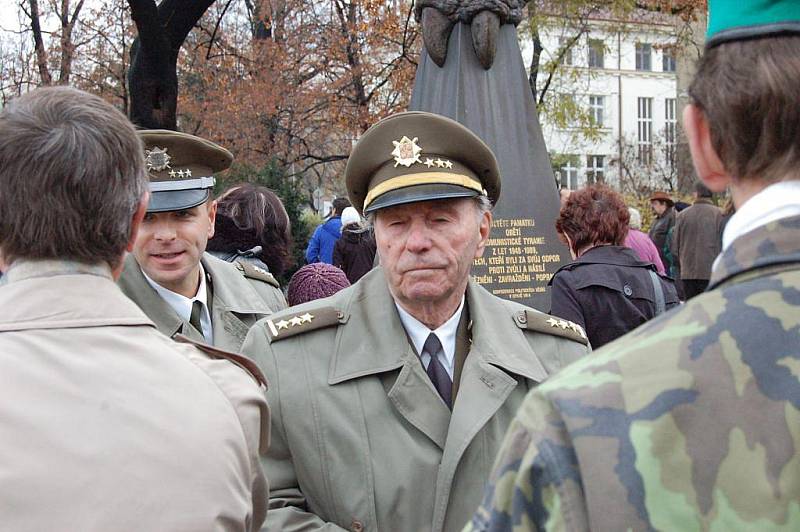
{"points": [[707, 163]]}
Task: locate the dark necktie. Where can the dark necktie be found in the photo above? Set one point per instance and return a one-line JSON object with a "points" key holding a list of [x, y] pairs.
{"points": [[194, 318], [438, 375]]}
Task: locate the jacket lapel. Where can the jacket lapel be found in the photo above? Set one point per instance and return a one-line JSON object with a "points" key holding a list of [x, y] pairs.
{"points": [[486, 381], [232, 298], [376, 343], [136, 287]]}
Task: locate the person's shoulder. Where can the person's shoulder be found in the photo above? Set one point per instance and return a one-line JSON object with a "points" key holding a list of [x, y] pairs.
{"points": [[222, 366], [321, 315], [652, 352], [256, 273], [237, 270], [533, 321]]}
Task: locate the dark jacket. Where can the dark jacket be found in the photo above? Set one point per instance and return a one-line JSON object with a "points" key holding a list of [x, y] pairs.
{"points": [[609, 292], [695, 239], [659, 234], [354, 253], [320, 247]]}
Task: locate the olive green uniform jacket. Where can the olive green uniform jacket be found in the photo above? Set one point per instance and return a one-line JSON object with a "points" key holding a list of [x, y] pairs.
{"points": [[690, 422], [240, 296], [107, 425], [361, 439]]}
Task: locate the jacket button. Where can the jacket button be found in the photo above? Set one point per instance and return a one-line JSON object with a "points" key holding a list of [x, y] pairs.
{"points": [[627, 290], [356, 526]]}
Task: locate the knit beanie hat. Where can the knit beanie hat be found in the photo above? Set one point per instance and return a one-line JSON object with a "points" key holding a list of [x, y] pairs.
{"points": [[315, 281], [350, 216]]}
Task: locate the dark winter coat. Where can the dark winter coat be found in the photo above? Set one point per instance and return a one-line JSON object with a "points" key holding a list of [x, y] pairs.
{"points": [[354, 253], [659, 234], [608, 291]]}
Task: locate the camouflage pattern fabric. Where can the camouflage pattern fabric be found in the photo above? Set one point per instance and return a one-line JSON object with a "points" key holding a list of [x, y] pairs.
{"points": [[690, 422]]}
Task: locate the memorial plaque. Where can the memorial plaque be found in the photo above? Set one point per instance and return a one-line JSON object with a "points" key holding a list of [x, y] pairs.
{"points": [[524, 251]]}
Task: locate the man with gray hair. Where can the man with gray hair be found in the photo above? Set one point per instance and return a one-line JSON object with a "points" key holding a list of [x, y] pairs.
{"points": [[391, 396], [106, 423]]}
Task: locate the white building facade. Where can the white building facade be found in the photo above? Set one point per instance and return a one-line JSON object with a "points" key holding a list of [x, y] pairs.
{"points": [[620, 79]]}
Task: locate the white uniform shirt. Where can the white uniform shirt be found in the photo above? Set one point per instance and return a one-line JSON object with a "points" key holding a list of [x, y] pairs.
{"points": [[418, 332], [182, 305]]}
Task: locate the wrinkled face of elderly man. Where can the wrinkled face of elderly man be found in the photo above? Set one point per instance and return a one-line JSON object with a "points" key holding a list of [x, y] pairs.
{"points": [[427, 249]]}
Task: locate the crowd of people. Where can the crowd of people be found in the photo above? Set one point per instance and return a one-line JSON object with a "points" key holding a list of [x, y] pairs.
{"points": [[157, 377]]}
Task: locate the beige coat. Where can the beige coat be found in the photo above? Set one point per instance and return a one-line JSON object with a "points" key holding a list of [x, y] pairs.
{"points": [[361, 439], [237, 302], [108, 425]]}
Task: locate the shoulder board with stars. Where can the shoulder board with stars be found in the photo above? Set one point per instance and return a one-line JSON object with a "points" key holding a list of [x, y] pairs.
{"points": [[544, 323], [288, 325], [252, 271]]}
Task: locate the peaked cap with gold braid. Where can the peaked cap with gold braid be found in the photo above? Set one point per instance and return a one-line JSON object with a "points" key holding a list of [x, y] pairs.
{"points": [[181, 168], [419, 156]]}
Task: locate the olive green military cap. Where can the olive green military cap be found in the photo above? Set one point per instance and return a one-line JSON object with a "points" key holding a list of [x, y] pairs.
{"points": [[418, 156], [735, 20], [181, 168]]}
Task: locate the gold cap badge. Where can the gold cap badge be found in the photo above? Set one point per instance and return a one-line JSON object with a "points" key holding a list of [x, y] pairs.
{"points": [[157, 159], [406, 151]]}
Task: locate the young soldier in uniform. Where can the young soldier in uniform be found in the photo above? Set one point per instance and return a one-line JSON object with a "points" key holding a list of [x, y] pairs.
{"points": [[183, 289], [391, 396], [106, 423], [692, 422]]}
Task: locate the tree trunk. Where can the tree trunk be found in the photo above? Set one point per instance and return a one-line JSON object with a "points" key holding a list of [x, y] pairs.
{"points": [[153, 77], [38, 44]]}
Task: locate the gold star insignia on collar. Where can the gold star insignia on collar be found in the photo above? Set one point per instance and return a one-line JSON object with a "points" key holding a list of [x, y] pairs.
{"points": [[187, 173], [283, 324], [296, 321], [173, 173], [406, 151], [563, 324], [552, 322], [429, 162], [306, 318], [157, 159]]}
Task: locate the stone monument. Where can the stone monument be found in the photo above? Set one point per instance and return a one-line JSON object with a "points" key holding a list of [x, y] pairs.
{"points": [[472, 71]]}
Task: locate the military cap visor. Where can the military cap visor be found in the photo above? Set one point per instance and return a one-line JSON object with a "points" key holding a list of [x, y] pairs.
{"points": [[738, 20], [177, 200], [181, 168], [417, 156]]}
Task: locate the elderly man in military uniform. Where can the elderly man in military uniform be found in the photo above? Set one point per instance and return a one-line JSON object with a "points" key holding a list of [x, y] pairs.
{"points": [[183, 289], [391, 397], [106, 423], [692, 422]]}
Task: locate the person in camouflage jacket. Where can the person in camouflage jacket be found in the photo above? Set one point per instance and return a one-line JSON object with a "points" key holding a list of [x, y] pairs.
{"points": [[692, 421]]}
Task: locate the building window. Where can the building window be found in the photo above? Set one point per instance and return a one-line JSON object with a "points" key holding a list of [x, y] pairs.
{"points": [[670, 127], [643, 54], [565, 50], [597, 109], [668, 61], [596, 53], [568, 168], [595, 169], [645, 133]]}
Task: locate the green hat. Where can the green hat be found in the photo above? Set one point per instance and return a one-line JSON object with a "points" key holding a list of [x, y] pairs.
{"points": [[418, 156], [747, 19], [181, 168]]}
